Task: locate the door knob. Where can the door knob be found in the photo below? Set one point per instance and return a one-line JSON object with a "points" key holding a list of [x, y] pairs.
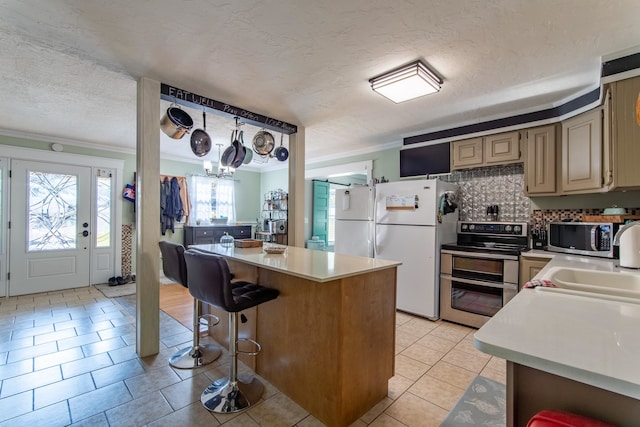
{"points": [[85, 225], [85, 233]]}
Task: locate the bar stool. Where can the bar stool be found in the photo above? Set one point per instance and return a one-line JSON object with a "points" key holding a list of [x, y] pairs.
{"points": [[210, 281], [552, 418], [197, 355]]}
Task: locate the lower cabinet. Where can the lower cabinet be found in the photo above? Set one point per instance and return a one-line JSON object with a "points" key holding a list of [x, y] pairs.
{"points": [[210, 235], [529, 267]]}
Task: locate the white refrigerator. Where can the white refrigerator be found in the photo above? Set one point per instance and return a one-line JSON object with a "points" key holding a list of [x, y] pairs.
{"points": [[408, 230], [354, 221]]}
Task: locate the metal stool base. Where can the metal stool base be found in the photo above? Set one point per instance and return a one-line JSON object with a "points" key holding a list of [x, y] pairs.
{"points": [[194, 357], [224, 397]]}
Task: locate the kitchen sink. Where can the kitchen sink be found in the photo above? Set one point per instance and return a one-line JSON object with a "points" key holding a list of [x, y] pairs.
{"points": [[606, 283]]}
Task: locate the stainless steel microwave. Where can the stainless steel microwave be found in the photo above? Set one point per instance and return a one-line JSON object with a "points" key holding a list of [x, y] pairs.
{"points": [[583, 238]]}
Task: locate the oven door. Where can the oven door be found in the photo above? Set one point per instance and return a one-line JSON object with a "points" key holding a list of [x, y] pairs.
{"points": [[474, 286]]}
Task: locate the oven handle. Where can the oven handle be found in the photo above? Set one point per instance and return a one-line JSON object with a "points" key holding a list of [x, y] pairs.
{"points": [[479, 282], [479, 255]]}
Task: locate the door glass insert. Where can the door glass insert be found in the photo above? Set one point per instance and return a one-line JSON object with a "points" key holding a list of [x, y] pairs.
{"points": [[103, 208], [52, 207]]}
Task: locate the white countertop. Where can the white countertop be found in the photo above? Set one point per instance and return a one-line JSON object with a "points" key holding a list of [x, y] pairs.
{"points": [[590, 340], [309, 264]]}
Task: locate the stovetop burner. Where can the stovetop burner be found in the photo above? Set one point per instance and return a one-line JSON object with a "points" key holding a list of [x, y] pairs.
{"points": [[490, 237]]}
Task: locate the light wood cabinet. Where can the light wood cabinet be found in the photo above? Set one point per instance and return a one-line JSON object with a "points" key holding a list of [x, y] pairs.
{"points": [[502, 148], [530, 267], [540, 160], [466, 153], [492, 150], [582, 159], [622, 134]]}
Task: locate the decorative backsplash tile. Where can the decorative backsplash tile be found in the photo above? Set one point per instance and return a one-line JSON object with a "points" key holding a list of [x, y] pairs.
{"points": [[495, 185], [542, 217]]}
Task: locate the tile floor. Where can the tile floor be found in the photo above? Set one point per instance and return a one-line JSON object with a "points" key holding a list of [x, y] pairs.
{"points": [[68, 358]]}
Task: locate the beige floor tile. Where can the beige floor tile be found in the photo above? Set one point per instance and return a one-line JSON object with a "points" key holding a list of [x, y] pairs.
{"points": [[194, 415], [423, 354], [311, 421], [410, 368], [413, 411], [398, 385], [62, 390], [30, 381], [451, 331], [452, 374], [240, 420], [497, 363], [151, 381], [117, 372], [436, 343], [97, 401], [385, 420], [141, 411], [472, 362], [15, 405], [495, 374], [403, 338], [417, 327], [186, 392], [276, 411], [437, 392], [50, 416], [378, 409], [467, 346]]}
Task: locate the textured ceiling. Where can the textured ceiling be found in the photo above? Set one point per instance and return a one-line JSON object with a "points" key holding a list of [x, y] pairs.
{"points": [[69, 67]]}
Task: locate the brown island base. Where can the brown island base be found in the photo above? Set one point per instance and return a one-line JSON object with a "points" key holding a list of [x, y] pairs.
{"points": [[328, 340]]}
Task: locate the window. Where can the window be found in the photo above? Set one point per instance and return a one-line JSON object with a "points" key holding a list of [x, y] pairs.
{"points": [[103, 209], [211, 198]]}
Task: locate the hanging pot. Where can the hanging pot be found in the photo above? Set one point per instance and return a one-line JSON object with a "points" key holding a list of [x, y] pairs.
{"points": [[240, 150], [263, 142], [281, 152], [230, 152], [200, 140], [176, 123]]}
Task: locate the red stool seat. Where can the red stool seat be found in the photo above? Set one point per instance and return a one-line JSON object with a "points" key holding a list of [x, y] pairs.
{"points": [[548, 418]]}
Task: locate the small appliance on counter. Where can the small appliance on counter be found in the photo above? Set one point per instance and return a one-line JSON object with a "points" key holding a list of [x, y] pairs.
{"points": [[628, 238], [583, 238]]}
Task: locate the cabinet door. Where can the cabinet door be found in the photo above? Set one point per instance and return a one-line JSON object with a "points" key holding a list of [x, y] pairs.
{"points": [[530, 267], [502, 148], [466, 153], [626, 133], [540, 165], [582, 152]]}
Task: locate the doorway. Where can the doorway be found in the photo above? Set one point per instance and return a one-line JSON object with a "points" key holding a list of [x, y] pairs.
{"points": [[59, 221]]}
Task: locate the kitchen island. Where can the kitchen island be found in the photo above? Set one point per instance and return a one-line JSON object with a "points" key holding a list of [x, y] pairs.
{"points": [[328, 340], [566, 350]]}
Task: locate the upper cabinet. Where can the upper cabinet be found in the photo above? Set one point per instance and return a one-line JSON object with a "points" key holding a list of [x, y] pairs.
{"points": [[622, 134], [540, 161], [582, 159], [499, 149]]}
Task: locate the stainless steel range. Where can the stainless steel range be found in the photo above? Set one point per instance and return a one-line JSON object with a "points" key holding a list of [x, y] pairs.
{"points": [[479, 273]]}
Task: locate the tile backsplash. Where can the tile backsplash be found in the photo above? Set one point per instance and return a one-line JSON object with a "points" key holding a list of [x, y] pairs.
{"points": [[495, 185]]}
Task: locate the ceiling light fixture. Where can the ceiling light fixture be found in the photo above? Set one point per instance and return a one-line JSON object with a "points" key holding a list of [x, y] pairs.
{"points": [[222, 171], [407, 82]]}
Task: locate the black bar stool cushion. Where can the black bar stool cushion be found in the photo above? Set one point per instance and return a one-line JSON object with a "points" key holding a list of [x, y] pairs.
{"points": [[209, 280], [173, 264]]}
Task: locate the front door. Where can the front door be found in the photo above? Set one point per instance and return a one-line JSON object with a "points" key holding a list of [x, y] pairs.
{"points": [[50, 227]]}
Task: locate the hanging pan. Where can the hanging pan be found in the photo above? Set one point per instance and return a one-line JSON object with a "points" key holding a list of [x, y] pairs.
{"points": [[281, 152], [200, 140], [239, 149], [176, 123], [230, 152], [248, 156]]}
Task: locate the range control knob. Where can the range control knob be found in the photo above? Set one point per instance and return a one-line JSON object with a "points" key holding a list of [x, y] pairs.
{"points": [[472, 227], [464, 226], [507, 228], [517, 229]]}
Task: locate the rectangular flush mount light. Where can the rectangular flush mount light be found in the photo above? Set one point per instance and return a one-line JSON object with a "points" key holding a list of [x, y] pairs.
{"points": [[408, 82]]}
